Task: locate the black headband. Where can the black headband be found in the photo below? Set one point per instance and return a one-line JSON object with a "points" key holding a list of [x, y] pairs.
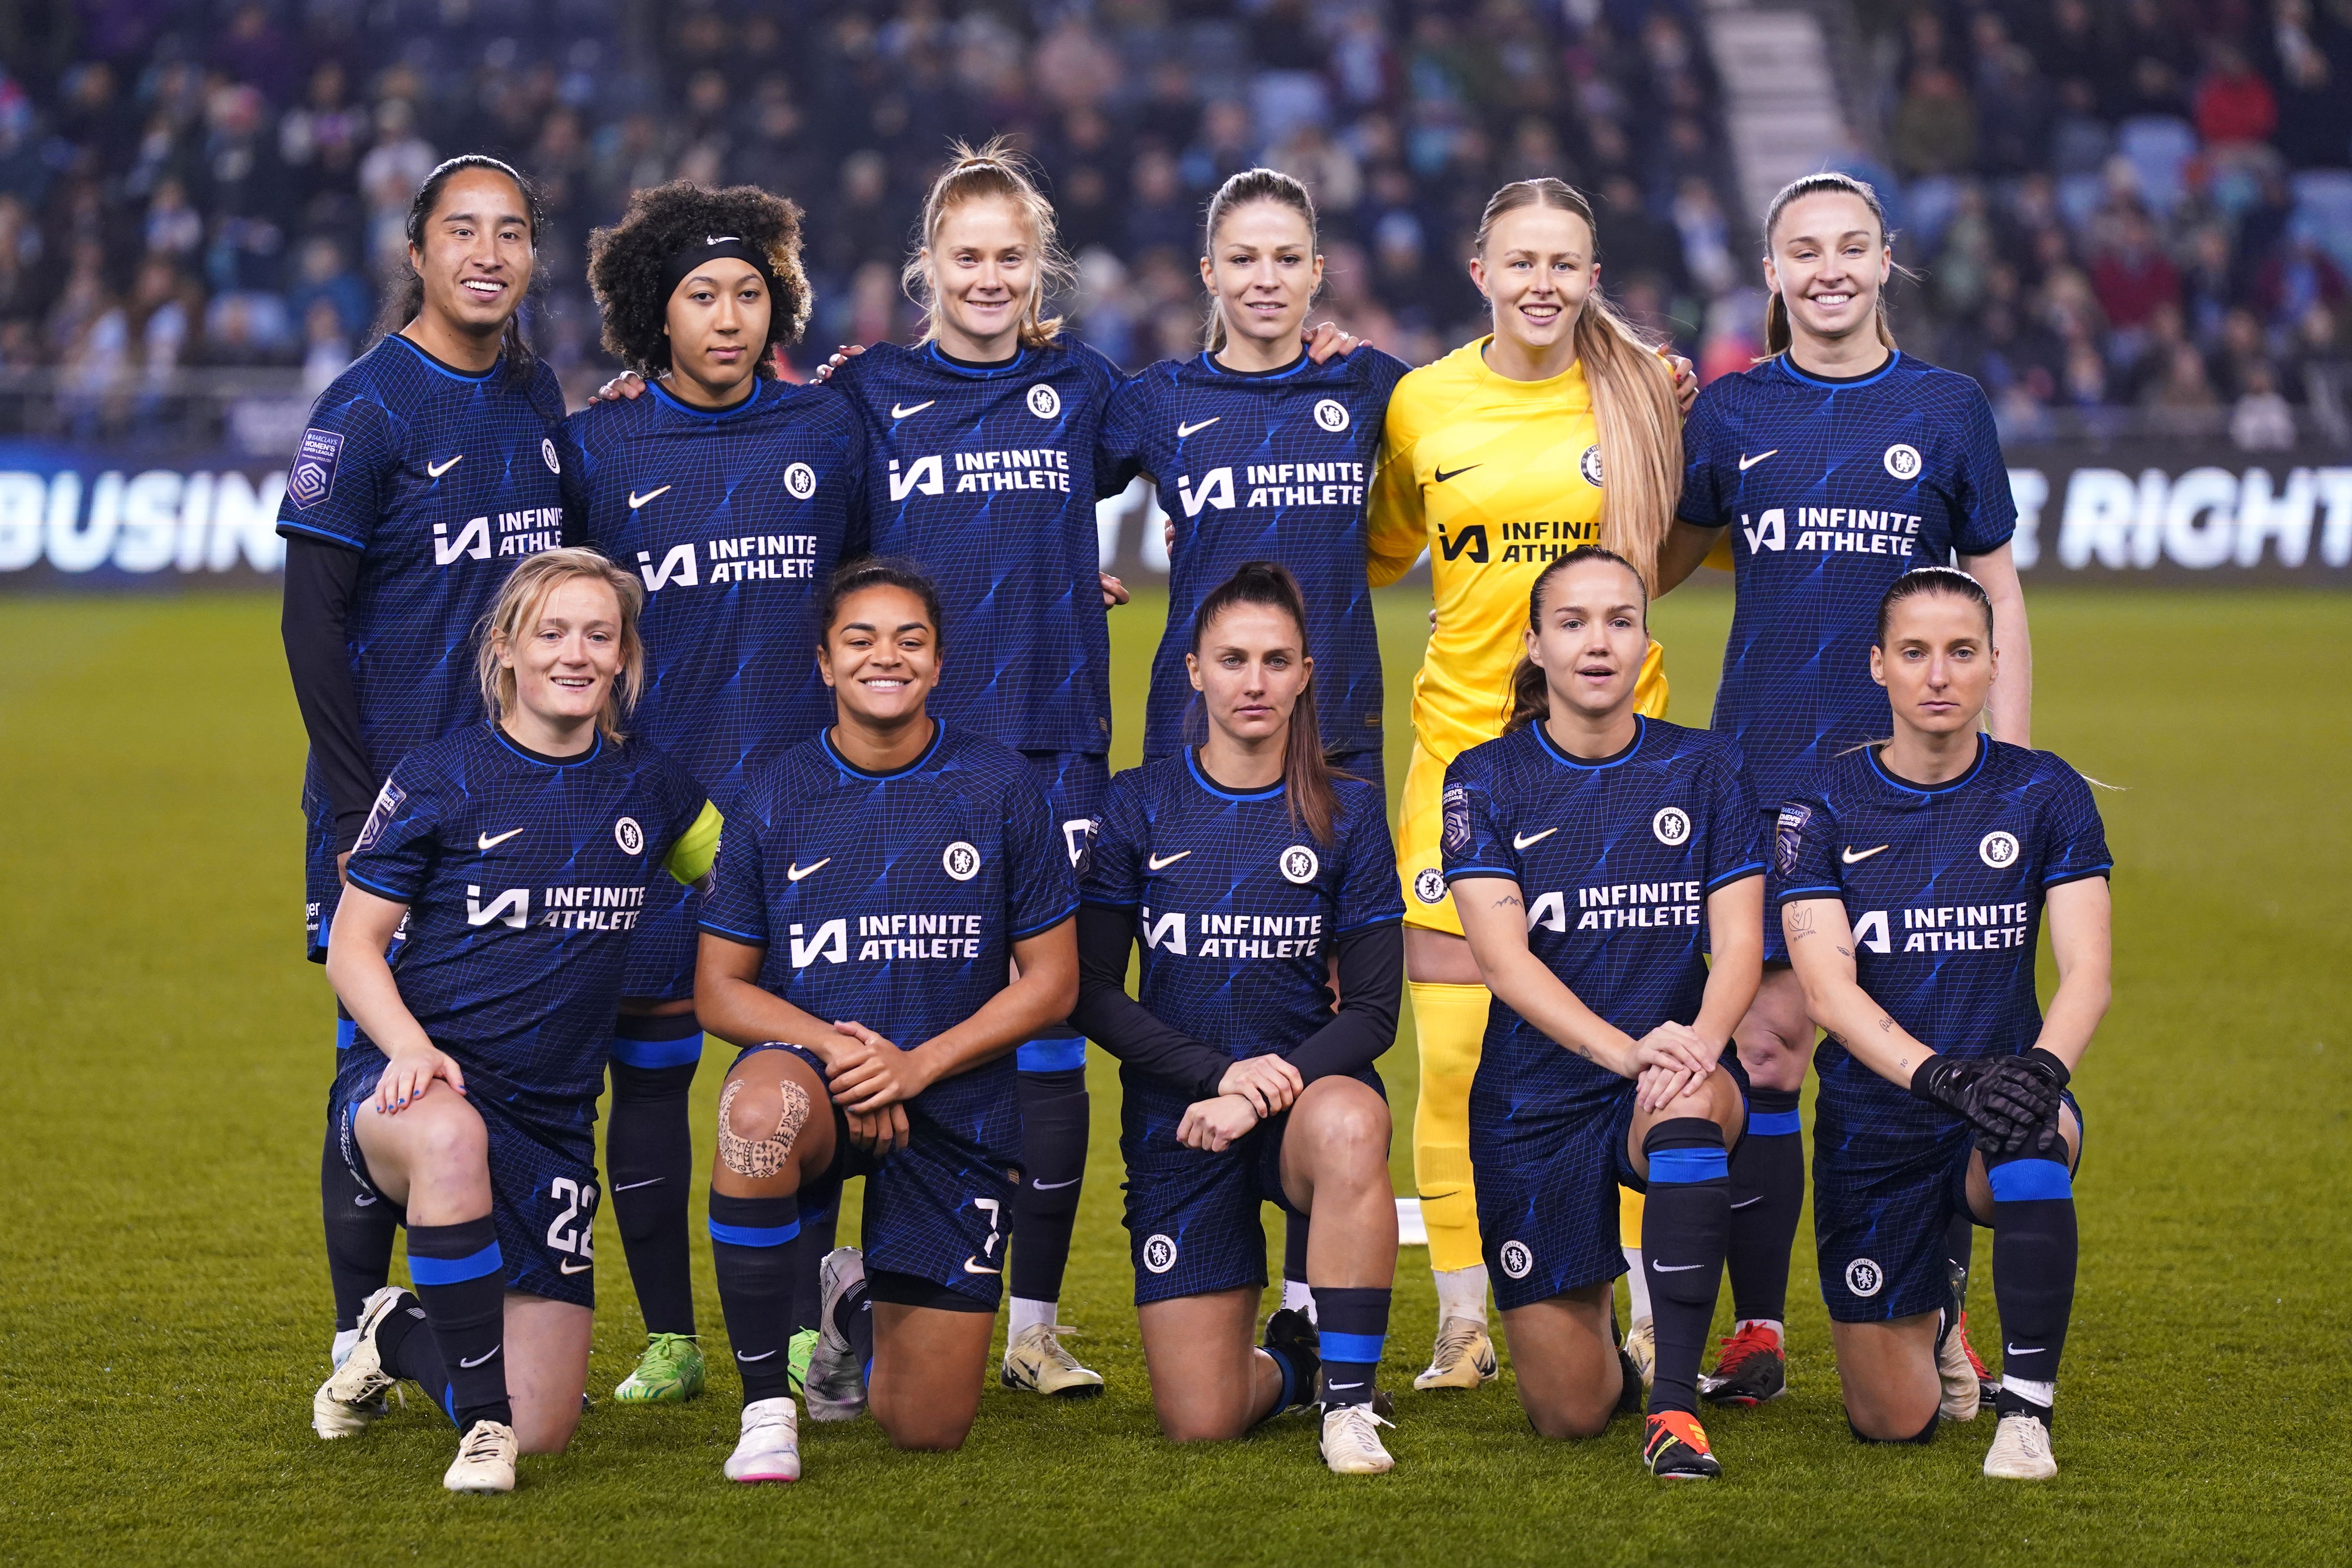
{"points": [[683, 265]]}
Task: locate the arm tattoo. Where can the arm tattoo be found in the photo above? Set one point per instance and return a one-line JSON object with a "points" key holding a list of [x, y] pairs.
{"points": [[1885, 1024], [1801, 925], [1845, 953], [1507, 902], [760, 1158]]}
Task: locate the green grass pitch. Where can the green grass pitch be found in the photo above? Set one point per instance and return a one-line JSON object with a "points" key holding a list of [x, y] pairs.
{"points": [[163, 1312]]}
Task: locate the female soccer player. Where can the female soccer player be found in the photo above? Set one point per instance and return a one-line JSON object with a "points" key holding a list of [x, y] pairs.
{"points": [[1493, 465], [519, 854], [1252, 875], [733, 495], [1259, 453], [879, 881], [1600, 859], [1912, 878], [426, 472], [1844, 462]]}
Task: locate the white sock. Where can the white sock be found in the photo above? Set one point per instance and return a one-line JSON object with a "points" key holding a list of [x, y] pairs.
{"points": [[1638, 1281], [1026, 1312], [1299, 1297], [1774, 1324], [344, 1340], [2045, 1395], [1462, 1293]]}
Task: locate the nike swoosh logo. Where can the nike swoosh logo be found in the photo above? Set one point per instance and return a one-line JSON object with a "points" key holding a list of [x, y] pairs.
{"points": [[794, 873], [900, 412], [567, 1267], [1850, 858], [1747, 462], [1050, 1186], [1444, 474], [637, 500], [1184, 430], [1340, 1386], [633, 1187], [435, 471], [2020, 1350], [1162, 862], [1749, 1203], [362, 1200], [971, 1266], [1521, 841], [484, 841], [1676, 1267], [762, 1356], [481, 1358]]}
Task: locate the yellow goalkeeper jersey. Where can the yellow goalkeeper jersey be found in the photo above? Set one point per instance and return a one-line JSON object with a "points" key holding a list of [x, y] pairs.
{"points": [[1496, 478]]}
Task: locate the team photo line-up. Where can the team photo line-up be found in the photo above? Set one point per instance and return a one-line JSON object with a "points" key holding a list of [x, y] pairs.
{"points": [[798, 713]]}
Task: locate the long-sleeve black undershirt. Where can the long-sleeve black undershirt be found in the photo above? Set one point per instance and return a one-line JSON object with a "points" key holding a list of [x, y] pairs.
{"points": [[1370, 978], [319, 581]]}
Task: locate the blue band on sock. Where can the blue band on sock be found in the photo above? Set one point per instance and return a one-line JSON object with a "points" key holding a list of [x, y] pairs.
{"points": [[1774, 1123], [455, 1270], [1671, 1165], [671, 1053], [347, 1033], [2023, 1180], [1051, 1056], [754, 1235], [449, 1402], [1360, 1349], [1289, 1378]]}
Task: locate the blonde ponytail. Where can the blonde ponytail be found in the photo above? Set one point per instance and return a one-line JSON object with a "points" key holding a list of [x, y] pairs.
{"points": [[977, 174]]}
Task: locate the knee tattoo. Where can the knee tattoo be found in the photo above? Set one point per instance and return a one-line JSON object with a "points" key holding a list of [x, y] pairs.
{"points": [[760, 1158]]}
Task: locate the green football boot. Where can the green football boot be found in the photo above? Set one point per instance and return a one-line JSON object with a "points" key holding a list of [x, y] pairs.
{"points": [[668, 1373], [797, 1352]]}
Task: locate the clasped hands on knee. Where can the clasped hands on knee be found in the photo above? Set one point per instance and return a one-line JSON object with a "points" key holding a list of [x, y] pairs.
{"points": [[1250, 1091]]}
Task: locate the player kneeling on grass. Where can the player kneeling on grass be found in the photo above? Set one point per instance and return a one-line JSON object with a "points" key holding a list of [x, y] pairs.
{"points": [[1911, 879], [1251, 873], [883, 877], [1597, 858], [517, 852]]}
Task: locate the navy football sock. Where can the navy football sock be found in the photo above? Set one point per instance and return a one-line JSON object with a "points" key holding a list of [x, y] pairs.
{"points": [[1686, 1224], [650, 1162], [1055, 1112], [2034, 1248], [1352, 1326], [360, 1227], [1767, 1194], [405, 1347], [819, 1230], [461, 1280], [754, 1242]]}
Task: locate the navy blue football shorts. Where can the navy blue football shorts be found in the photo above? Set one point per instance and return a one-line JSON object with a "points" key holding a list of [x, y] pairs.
{"points": [[1548, 1203], [543, 1190], [1193, 1223], [1880, 1208], [939, 1210]]}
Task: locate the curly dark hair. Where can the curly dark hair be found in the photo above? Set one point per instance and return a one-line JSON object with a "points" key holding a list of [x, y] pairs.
{"points": [[626, 265]]}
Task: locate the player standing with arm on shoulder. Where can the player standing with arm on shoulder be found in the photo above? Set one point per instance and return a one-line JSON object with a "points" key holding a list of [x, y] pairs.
{"points": [[516, 855], [1912, 880], [1836, 464], [881, 881], [733, 496], [1253, 877], [1600, 859], [426, 471], [1493, 464]]}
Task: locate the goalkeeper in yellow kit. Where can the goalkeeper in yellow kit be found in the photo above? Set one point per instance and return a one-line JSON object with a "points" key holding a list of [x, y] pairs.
{"points": [[1560, 429]]}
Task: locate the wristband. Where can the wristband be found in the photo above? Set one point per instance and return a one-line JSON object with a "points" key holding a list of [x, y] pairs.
{"points": [[2047, 1062]]}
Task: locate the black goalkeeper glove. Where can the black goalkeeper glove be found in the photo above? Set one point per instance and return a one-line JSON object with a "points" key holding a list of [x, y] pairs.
{"points": [[1959, 1087], [2025, 1091]]}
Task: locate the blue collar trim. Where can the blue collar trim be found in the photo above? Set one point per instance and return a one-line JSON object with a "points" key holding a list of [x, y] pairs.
{"points": [[440, 367], [673, 401], [1641, 734], [939, 738], [595, 749], [1788, 368], [1264, 792], [1984, 754]]}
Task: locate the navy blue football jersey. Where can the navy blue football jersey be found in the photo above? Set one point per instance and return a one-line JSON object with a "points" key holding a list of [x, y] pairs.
{"points": [[895, 899], [1832, 490], [523, 876], [1264, 466], [442, 481], [736, 521], [1944, 886], [988, 478], [1614, 859], [1237, 907]]}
